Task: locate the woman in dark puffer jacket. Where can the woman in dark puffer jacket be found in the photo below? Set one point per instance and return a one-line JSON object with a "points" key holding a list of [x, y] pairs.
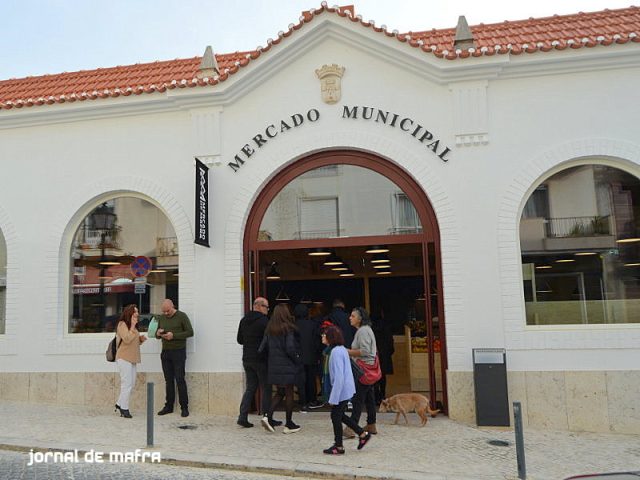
{"points": [[283, 361]]}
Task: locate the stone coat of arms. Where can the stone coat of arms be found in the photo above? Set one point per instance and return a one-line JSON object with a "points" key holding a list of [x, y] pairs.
{"points": [[330, 87]]}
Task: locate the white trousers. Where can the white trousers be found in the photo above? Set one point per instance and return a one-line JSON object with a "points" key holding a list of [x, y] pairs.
{"points": [[127, 382]]}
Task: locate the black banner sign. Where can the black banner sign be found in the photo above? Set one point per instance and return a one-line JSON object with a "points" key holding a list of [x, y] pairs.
{"points": [[202, 204]]}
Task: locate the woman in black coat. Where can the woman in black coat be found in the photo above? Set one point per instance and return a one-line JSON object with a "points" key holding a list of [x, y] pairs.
{"points": [[311, 348], [283, 364]]}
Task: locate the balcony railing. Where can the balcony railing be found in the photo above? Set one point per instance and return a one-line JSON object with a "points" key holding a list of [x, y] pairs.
{"points": [[94, 238], [405, 230], [311, 234], [571, 227], [167, 246]]}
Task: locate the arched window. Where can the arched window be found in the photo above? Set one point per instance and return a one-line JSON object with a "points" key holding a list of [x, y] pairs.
{"points": [[580, 243], [3, 283], [125, 251], [339, 201]]}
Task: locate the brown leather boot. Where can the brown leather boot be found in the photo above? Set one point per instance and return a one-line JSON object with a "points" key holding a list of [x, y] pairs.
{"points": [[371, 428], [348, 433]]}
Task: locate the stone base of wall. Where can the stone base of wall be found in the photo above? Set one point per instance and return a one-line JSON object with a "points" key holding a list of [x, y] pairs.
{"points": [[603, 401], [215, 393]]}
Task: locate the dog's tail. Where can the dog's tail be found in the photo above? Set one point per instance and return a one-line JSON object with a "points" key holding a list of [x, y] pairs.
{"points": [[433, 413]]}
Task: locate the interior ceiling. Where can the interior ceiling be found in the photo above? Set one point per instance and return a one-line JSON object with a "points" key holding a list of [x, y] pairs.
{"points": [[298, 264]]}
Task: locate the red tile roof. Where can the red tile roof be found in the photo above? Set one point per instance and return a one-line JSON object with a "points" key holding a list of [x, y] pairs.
{"points": [[533, 35]]}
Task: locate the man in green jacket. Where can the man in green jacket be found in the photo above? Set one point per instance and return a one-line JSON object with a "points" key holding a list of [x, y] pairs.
{"points": [[174, 328]]}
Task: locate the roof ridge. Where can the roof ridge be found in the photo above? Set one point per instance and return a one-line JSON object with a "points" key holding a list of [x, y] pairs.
{"points": [[47, 89], [554, 17]]}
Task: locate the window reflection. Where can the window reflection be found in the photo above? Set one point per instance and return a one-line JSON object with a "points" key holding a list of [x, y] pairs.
{"points": [[125, 251], [581, 248], [339, 201]]}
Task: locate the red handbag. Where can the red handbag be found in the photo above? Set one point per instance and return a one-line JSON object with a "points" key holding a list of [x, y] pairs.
{"points": [[372, 373]]}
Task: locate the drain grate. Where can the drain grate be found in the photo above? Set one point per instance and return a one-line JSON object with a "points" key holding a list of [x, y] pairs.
{"points": [[498, 443], [187, 427]]}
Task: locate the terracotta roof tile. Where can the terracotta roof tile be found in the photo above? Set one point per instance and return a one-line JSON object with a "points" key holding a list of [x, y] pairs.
{"points": [[533, 35]]}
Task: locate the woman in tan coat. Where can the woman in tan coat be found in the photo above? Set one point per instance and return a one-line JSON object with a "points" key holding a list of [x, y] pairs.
{"points": [[127, 356]]}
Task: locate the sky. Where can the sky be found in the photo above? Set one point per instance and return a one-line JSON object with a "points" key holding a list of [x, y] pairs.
{"points": [[52, 36]]}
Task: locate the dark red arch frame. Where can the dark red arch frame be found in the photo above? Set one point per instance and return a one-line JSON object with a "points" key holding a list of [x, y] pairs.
{"points": [[431, 232]]}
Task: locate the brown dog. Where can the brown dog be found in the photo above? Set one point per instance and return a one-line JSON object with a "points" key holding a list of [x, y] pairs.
{"points": [[404, 403]]}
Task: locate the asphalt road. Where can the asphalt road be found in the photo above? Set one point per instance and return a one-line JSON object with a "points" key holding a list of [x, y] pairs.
{"points": [[20, 466]]}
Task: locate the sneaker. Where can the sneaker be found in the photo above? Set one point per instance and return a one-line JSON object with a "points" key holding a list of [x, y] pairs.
{"points": [[362, 441], [291, 428], [316, 404], [267, 424], [244, 423], [304, 409], [349, 406], [334, 450], [165, 410], [275, 423]]}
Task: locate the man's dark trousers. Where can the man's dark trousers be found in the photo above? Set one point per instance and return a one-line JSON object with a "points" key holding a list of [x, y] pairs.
{"points": [[173, 368], [256, 374]]}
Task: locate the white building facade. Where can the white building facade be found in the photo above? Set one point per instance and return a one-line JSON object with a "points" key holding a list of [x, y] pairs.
{"points": [[468, 138]]}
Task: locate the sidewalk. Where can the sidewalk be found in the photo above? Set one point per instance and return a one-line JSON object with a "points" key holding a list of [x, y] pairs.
{"points": [[443, 450]]}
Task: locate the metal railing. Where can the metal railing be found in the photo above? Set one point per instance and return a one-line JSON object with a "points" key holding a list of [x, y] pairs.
{"points": [[311, 234], [568, 227], [405, 230], [94, 237], [166, 246]]}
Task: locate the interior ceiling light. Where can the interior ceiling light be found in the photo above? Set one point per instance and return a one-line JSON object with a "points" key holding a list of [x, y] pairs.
{"points": [[380, 258], [341, 268], [582, 254], [628, 240], [348, 273], [319, 252], [157, 270], [382, 265], [543, 267], [632, 264], [333, 260], [273, 273], [565, 260], [384, 272], [109, 263], [377, 249]]}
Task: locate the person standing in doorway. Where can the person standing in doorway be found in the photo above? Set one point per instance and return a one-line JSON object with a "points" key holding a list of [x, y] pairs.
{"points": [[174, 327], [127, 356], [250, 334], [384, 342], [339, 317]]}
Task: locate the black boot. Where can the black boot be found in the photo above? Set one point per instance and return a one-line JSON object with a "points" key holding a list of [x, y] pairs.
{"points": [[125, 413], [117, 408]]}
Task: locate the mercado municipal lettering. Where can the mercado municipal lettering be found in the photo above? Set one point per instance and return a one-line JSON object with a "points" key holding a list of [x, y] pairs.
{"points": [[378, 115]]}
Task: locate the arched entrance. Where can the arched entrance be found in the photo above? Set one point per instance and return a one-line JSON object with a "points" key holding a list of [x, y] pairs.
{"points": [[342, 203]]}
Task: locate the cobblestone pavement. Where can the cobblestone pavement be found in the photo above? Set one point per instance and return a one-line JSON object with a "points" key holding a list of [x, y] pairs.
{"points": [[15, 466], [443, 450]]}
